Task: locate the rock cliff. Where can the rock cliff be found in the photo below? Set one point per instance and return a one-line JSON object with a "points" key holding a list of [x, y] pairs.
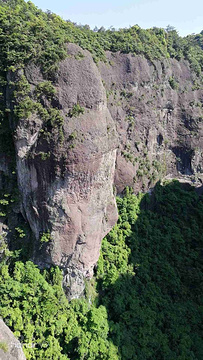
{"points": [[125, 122], [68, 193], [10, 347], [157, 110]]}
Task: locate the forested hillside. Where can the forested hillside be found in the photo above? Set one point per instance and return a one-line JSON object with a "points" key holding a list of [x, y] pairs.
{"points": [[28, 33], [145, 300], [84, 113]]}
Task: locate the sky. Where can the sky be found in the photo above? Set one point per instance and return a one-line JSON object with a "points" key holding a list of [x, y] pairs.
{"points": [[185, 15]]}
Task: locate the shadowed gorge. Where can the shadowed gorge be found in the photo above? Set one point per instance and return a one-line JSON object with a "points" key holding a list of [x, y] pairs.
{"points": [[153, 299]]}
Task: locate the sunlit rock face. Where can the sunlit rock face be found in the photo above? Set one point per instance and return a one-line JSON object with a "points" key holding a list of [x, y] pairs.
{"points": [[70, 193], [135, 122]]}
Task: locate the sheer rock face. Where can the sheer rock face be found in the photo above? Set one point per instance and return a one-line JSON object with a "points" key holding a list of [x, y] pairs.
{"points": [[142, 122], [10, 347], [70, 193], [158, 111]]}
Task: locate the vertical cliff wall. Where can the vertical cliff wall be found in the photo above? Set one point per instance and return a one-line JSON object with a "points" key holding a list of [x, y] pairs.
{"points": [[67, 184], [124, 122], [157, 107]]}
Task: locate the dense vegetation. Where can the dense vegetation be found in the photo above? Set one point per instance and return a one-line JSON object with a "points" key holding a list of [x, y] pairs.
{"points": [[146, 301], [29, 35], [153, 299]]}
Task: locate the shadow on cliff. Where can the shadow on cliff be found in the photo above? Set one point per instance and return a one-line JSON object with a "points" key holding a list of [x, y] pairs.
{"points": [[154, 310]]}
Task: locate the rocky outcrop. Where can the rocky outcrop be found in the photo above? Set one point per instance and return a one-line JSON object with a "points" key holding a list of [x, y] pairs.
{"points": [[157, 110], [10, 347], [128, 122], [68, 195]]}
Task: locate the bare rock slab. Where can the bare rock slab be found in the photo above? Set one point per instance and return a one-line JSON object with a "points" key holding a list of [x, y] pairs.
{"points": [[10, 347]]}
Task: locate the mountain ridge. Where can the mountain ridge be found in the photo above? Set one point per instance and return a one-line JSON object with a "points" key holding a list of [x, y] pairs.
{"points": [[70, 125]]}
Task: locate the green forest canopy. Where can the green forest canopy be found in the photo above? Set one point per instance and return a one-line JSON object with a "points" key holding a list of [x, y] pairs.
{"points": [[27, 34], [144, 303], [145, 300]]}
